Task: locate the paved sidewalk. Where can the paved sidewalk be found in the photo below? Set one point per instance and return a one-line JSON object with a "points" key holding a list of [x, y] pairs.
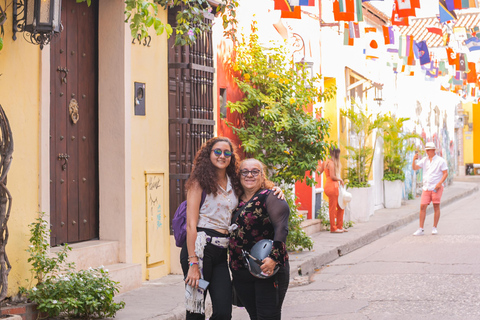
{"points": [[162, 299]]}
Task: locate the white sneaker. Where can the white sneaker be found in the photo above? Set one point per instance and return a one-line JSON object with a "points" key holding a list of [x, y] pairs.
{"points": [[434, 230], [419, 232]]}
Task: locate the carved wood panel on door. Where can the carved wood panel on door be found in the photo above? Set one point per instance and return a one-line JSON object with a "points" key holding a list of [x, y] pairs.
{"points": [[74, 125]]}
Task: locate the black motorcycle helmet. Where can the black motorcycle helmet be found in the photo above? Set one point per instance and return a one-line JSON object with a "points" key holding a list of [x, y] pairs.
{"points": [[254, 259]]}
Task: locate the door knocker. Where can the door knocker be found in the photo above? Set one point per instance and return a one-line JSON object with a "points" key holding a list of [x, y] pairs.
{"points": [[64, 157], [63, 78], [73, 109]]}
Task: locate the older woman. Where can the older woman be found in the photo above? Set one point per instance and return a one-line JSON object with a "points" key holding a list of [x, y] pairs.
{"points": [[259, 215]]}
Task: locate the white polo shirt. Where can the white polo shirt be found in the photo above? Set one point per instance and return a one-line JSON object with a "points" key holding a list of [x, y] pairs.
{"points": [[432, 171]]}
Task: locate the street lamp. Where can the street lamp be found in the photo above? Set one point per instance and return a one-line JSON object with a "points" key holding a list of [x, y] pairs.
{"points": [[378, 92], [40, 21]]}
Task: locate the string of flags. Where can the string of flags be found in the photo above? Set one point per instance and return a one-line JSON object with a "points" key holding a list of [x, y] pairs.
{"points": [[403, 52]]}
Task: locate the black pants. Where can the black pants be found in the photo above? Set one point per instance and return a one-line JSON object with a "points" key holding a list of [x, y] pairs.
{"points": [[215, 271], [259, 296]]}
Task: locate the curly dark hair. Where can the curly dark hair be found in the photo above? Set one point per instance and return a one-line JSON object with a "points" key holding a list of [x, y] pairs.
{"points": [[204, 172]]}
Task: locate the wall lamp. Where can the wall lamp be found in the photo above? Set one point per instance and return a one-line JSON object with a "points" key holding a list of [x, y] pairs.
{"points": [[40, 20]]}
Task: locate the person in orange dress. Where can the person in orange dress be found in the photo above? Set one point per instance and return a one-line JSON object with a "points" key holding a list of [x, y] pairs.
{"points": [[332, 169]]}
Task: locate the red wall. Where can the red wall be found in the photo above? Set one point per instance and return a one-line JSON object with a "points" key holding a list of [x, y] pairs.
{"points": [[225, 79]]}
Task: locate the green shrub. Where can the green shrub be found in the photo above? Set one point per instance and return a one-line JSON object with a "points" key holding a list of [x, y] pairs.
{"points": [[297, 239], [363, 125], [388, 176], [62, 291], [396, 145]]}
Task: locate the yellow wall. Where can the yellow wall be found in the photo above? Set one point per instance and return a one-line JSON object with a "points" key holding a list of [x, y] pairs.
{"points": [[468, 137], [330, 113], [149, 141], [476, 132], [330, 110], [20, 98]]}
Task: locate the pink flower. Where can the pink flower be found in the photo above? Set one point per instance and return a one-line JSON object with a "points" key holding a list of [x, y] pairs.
{"points": [[190, 32]]}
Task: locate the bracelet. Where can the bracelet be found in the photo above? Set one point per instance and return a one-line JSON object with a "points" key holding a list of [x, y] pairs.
{"points": [[192, 263], [194, 256]]}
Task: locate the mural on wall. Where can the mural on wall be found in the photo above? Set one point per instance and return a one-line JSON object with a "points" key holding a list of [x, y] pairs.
{"points": [[432, 124]]}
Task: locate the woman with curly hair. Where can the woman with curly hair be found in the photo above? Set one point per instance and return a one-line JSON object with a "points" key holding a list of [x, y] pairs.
{"points": [[214, 179]]}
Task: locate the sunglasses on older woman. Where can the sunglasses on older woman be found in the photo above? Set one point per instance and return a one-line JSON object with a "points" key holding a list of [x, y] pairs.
{"points": [[218, 153]]}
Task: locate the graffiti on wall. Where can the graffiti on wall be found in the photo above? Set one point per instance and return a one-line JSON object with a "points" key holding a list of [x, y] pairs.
{"points": [[432, 124]]}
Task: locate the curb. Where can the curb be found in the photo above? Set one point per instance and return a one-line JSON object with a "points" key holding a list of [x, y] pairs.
{"points": [[310, 265]]}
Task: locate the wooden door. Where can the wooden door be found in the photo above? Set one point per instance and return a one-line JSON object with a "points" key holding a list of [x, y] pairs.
{"points": [[190, 106], [74, 125]]}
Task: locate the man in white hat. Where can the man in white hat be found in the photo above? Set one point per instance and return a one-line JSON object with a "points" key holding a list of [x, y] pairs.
{"points": [[435, 171]]}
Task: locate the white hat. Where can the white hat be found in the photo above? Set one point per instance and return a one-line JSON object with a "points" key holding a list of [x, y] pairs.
{"points": [[344, 196], [430, 146]]}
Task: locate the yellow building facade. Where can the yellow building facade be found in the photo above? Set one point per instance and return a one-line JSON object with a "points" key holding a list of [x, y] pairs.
{"points": [[471, 137], [132, 211]]}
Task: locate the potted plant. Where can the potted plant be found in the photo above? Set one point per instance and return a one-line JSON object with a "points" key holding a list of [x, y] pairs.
{"points": [[364, 128], [395, 146]]}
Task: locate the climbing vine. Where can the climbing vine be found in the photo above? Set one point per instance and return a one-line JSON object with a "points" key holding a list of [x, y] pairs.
{"points": [[142, 15], [6, 151]]}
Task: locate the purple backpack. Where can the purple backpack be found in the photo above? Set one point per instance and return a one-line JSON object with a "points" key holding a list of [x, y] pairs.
{"points": [[179, 222]]}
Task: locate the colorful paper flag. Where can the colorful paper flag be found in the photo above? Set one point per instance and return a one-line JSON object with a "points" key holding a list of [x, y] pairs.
{"points": [[347, 40], [283, 5], [460, 33], [411, 55], [460, 63], [295, 14], [450, 5], [445, 14], [404, 8], [423, 54], [451, 56], [388, 36], [372, 49], [397, 20], [309, 3], [344, 10], [472, 73], [432, 73], [435, 30], [359, 10], [442, 68], [472, 44]]}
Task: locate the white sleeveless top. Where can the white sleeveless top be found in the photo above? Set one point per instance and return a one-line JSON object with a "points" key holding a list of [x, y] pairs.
{"points": [[216, 211]]}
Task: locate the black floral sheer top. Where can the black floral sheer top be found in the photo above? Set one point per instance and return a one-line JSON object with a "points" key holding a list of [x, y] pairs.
{"points": [[263, 217]]}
